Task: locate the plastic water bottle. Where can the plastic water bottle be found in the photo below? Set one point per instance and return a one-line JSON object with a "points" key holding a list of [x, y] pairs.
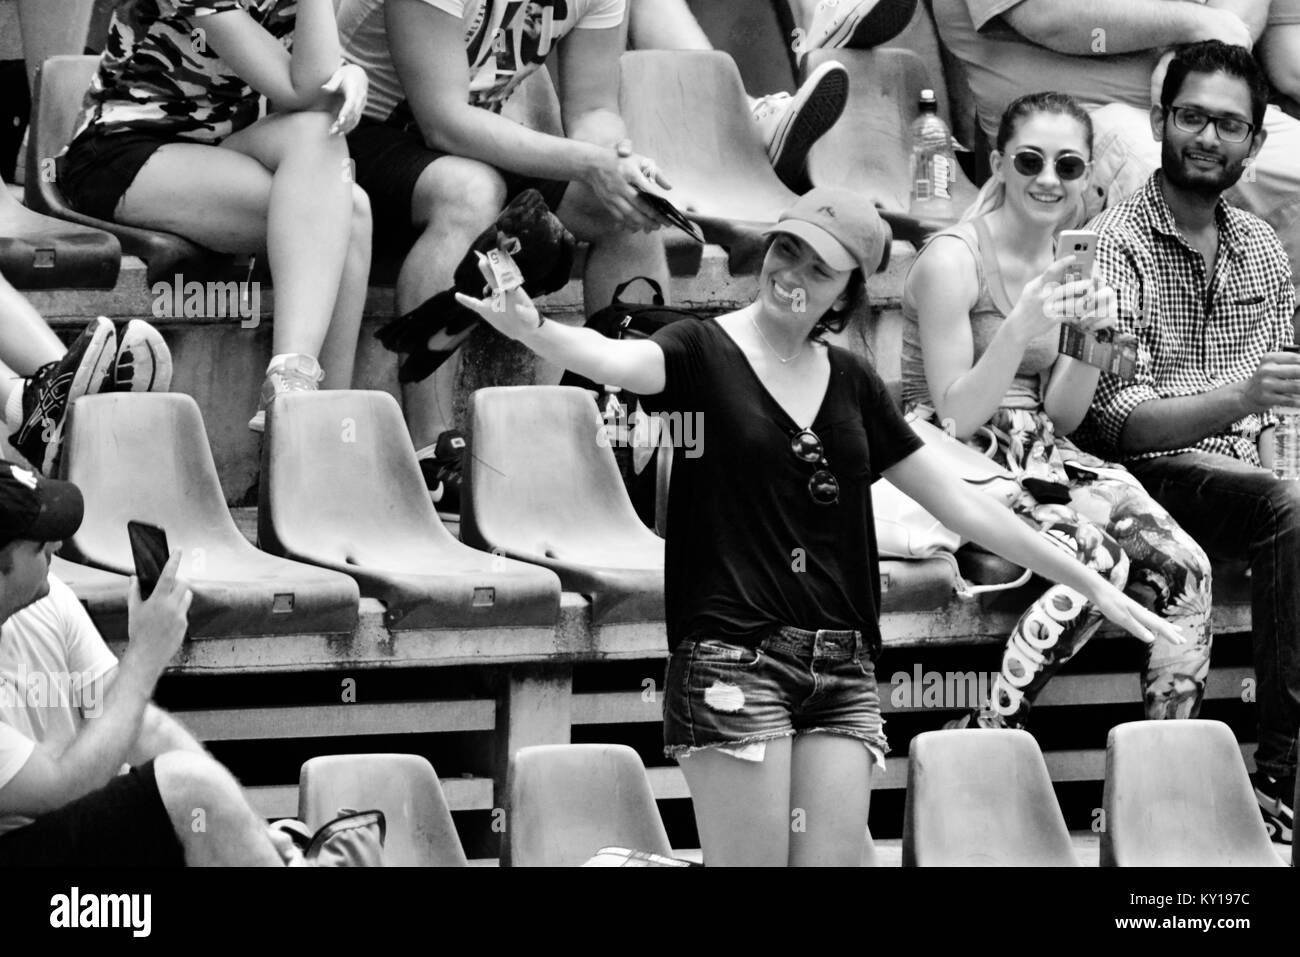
{"points": [[1286, 439], [934, 164]]}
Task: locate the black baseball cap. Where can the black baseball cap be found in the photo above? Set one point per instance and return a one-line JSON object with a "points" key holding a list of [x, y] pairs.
{"points": [[35, 508]]}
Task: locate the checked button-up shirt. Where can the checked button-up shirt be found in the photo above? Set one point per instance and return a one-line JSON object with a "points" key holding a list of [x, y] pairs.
{"points": [[1196, 332]]}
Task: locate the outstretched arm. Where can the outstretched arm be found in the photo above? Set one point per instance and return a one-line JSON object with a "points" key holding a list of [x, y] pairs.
{"points": [[637, 366], [976, 516]]}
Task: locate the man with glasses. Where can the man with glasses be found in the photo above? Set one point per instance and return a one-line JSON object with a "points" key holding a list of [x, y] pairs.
{"points": [[1106, 54], [1207, 289]]}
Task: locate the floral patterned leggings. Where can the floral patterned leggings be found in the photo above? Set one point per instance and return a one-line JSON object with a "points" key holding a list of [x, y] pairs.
{"points": [[1114, 527]]}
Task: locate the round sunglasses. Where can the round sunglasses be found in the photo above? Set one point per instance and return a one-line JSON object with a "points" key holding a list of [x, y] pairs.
{"points": [[1030, 162], [822, 484]]}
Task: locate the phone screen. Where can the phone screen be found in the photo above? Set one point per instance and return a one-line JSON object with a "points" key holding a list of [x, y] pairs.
{"points": [[150, 552]]}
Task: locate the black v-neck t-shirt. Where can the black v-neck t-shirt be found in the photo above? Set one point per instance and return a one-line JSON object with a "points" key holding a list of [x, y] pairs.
{"points": [[747, 547]]}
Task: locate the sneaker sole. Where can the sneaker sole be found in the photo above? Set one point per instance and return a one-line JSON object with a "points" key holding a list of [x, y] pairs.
{"points": [[808, 121], [96, 367], [93, 372], [886, 20], [151, 360]]}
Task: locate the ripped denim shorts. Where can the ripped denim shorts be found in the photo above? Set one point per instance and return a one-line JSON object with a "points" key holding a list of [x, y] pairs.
{"points": [[736, 698]]}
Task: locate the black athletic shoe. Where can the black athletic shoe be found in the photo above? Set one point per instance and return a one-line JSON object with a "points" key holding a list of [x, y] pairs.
{"points": [[86, 368], [1275, 797], [441, 466]]}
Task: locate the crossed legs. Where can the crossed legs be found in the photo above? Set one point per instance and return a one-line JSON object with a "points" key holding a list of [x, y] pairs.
{"points": [[282, 185]]}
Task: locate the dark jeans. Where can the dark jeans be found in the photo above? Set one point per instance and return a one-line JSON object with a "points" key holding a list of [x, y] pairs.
{"points": [[1238, 511]]}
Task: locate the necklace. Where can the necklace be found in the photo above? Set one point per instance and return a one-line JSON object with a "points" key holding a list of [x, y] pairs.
{"points": [[779, 357]]}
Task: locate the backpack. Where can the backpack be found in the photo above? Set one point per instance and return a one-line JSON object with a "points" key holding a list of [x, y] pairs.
{"points": [[621, 409]]}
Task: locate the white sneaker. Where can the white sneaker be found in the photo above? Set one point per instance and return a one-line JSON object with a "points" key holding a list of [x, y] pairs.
{"points": [[790, 125], [860, 24], [298, 373]]}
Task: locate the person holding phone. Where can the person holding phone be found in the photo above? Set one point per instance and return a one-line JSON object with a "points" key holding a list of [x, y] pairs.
{"points": [[170, 138], [67, 795], [771, 577], [984, 304]]}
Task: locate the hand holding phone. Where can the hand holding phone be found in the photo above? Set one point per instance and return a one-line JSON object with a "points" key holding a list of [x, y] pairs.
{"points": [[665, 208], [158, 609]]}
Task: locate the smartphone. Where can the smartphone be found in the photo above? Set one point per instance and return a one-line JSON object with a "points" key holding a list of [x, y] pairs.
{"points": [[1082, 244], [150, 552], [670, 212]]}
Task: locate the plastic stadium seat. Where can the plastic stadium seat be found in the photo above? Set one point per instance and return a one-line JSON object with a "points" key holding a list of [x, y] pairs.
{"points": [[567, 801], [981, 798], [60, 85], [539, 488], [104, 595], [420, 832], [145, 457], [688, 110], [341, 488], [39, 252], [869, 149], [1178, 795]]}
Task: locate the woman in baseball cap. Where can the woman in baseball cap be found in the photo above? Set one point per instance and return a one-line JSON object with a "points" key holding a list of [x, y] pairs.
{"points": [[771, 577]]}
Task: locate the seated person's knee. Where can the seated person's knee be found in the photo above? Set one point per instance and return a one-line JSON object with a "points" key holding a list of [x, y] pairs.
{"points": [[458, 190], [187, 775], [1284, 500]]}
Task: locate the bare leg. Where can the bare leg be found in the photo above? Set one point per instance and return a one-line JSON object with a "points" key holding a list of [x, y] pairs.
{"points": [[210, 815], [339, 351], [665, 25], [830, 794], [742, 808], [615, 254], [280, 185], [455, 200], [26, 342], [9, 380]]}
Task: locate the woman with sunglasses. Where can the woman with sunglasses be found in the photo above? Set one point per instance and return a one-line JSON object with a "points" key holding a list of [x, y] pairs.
{"points": [[772, 581], [984, 303], [170, 138]]}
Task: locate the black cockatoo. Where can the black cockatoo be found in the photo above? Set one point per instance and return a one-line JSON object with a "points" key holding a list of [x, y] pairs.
{"points": [[540, 246]]}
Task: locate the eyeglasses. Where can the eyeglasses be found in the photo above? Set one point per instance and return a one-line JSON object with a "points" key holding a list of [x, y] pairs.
{"points": [[822, 485], [1030, 162], [1229, 128]]}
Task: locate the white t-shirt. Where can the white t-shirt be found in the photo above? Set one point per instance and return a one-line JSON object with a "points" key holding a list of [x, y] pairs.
{"points": [[52, 660], [505, 41]]}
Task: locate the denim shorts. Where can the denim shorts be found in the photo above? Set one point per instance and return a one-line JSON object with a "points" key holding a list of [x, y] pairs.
{"points": [[731, 697]]}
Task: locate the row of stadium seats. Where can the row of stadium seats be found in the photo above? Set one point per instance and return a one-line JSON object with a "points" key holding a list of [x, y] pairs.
{"points": [[688, 109], [1177, 793], [344, 513]]}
